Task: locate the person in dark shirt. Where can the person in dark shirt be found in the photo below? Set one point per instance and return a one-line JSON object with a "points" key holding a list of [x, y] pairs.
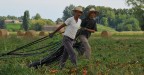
{"points": [[88, 26]]}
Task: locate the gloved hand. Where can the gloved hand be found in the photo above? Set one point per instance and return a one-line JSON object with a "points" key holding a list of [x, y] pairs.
{"points": [[51, 35]]}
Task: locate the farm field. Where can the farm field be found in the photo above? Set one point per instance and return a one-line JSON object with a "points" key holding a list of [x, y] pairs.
{"points": [[13, 26], [122, 54]]}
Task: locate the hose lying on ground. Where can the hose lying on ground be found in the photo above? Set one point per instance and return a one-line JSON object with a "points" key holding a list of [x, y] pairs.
{"points": [[26, 46], [54, 56]]}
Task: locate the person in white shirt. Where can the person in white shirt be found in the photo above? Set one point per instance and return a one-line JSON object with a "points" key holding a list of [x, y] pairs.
{"points": [[72, 25]]}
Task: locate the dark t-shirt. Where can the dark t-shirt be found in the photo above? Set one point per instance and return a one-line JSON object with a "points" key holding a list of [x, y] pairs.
{"points": [[90, 24]]}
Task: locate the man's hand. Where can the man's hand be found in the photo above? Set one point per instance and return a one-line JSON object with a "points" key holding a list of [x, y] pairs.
{"points": [[83, 28], [90, 30], [51, 35]]}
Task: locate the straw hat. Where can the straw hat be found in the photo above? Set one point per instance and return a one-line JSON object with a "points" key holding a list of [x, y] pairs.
{"points": [[78, 9], [93, 10]]}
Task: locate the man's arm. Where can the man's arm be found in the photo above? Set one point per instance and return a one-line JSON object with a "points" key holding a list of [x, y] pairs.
{"points": [[51, 34], [91, 30], [60, 27], [83, 26], [94, 29]]}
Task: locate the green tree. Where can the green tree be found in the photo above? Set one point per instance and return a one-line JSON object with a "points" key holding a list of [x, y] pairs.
{"points": [[37, 27], [12, 17], [38, 24], [104, 21], [127, 27], [3, 18], [37, 17], [20, 18], [120, 27], [111, 18], [49, 22], [135, 2], [68, 12], [2, 24], [138, 8], [59, 20], [26, 18], [134, 22], [116, 18], [131, 24]]}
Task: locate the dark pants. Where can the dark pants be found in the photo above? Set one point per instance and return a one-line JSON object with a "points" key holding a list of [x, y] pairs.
{"points": [[68, 51]]}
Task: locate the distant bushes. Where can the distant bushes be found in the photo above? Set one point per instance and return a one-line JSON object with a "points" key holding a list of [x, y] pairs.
{"points": [[38, 24]]}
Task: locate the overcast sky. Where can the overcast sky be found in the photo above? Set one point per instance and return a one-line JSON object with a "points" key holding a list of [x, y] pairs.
{"points": [[51, 9]]}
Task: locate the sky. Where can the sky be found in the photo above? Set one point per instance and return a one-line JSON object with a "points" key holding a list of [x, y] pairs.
{"points": [[51, 9]]}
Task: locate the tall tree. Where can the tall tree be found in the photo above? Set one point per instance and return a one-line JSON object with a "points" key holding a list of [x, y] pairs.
{"points": [[68, 12], [127, 27], [134, 23], [26, 18], [37, 16], [12, 17], [104, 21], [2, 24], [120, 19], [138, 7], [135, 2], [38, 24], [59, 20]]}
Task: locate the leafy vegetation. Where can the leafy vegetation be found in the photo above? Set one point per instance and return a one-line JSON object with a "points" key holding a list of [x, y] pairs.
{"points": [[13, 27], [38, 24], [119, 19], [138, 9], [26, 18], [34, 23], [104, 28], [109, 56]]}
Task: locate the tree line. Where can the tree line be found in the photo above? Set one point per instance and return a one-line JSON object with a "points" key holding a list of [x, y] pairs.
{"points": [[119, 19], [34, 23]]}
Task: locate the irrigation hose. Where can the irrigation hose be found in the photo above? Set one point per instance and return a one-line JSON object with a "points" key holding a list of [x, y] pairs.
{"points": [[51, 43], [27, 45], [33, 54], [49, 59]]}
